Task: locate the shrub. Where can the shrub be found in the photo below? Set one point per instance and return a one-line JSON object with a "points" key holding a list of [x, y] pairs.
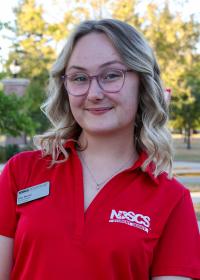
{"points": [[2, 154], [11, 150]]}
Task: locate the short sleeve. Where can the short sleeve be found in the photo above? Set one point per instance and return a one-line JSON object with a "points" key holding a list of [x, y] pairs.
{"points": [[7, 202], [178, 250]]}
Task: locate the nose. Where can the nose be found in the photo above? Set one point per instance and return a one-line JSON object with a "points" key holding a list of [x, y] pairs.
{"points": [[94, 91]]}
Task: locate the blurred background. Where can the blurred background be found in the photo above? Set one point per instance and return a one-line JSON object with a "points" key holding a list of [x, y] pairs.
{"points": [[32, 32]]}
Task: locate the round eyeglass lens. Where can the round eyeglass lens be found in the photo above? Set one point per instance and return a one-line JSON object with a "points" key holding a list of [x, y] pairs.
{"points": [[77, 84], [111, 80]]}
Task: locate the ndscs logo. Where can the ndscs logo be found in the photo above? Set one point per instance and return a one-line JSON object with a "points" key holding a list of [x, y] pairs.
{"points": [[130, 218]]}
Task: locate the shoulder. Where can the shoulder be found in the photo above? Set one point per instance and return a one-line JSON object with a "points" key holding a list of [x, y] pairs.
{"points": [[26, 168], [163, 184], [171, 189], [26, 161], [26, 157], [170, 183]]}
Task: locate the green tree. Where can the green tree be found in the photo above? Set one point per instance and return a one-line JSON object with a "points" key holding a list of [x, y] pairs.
{"points": [[31, 47], [34, 97], [127, 11], [13, 117], [187, 115], [4, 26], [34, 51]]}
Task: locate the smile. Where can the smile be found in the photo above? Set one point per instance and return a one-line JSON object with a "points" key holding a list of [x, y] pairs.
{"points": [[99, 110]]}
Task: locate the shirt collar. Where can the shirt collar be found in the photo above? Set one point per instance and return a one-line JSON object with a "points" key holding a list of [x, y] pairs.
{"points": [[149, 169]]}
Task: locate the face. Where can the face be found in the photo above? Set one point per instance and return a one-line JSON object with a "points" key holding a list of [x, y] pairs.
{"points": [[100, 112]]}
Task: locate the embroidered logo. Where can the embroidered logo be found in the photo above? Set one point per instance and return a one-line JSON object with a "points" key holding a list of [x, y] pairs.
{"points": [[130, 218]]}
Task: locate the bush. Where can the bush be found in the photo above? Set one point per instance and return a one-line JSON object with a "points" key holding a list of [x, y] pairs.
{"points": [[2, 154], [10, 150]]}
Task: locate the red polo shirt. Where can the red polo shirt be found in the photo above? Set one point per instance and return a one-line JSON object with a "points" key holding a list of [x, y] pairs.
{"points": [[136, 227]]}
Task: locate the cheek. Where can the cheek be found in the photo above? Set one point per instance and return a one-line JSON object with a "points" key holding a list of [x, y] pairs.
{"points": [[134, 97], [129, 104], [131, 109], [75, 105], [130, 99]]}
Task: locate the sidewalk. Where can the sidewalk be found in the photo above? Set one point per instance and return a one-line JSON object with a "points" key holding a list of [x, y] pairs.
{"points": [[1, 167], [189, 173], [181, 167]]}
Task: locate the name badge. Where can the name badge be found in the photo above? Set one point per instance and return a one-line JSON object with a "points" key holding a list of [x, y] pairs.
{"points": [[33, 193]]}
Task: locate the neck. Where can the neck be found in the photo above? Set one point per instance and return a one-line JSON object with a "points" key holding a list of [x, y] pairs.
{"points": [[104, 157], [113, 146]]}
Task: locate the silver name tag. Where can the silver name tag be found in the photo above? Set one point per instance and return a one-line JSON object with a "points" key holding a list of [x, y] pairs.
{"points": [[33, 193]]}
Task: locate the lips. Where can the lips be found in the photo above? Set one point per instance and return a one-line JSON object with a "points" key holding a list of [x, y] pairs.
{"points": [[99, 110]]}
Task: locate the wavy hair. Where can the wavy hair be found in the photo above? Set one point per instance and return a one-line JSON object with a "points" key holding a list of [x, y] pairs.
{"points": [[150, 131]]}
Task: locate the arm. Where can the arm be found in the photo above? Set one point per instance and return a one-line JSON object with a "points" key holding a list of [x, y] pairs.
{"points": [[170, 278], [6, 251]]}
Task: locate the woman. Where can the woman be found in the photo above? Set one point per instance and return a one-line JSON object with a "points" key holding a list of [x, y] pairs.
{"points": [[98, 200]]}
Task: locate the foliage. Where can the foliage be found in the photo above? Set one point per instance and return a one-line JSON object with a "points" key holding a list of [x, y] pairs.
{"points": [[34, 97], [32, 47], [2, 154], [126, 11], [2, 76], [187, 115], [13, 117], [4, 25], [10, 150], [34, 50]]}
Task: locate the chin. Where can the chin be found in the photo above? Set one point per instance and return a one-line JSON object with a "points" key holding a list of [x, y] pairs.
{"points": [[101, 131]]}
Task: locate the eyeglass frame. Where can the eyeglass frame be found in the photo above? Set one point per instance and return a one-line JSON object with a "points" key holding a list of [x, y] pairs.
{"points": [[91, 77]]}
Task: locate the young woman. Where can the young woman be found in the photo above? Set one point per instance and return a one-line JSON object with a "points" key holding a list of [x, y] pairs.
{"points": [[97, 200]]}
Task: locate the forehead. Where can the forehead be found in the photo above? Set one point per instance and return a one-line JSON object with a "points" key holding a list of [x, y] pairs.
{"points": [[93, 50]]}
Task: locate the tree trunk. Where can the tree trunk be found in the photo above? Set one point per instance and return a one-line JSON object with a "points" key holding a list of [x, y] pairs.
{"points": [[189, 138], [25, 138], [185, 135]]}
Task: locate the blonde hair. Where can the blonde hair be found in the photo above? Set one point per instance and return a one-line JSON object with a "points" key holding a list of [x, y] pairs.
{"points": [[150, 131]]}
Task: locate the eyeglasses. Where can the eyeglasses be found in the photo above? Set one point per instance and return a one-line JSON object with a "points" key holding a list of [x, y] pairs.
{"points": [[109, 80]]}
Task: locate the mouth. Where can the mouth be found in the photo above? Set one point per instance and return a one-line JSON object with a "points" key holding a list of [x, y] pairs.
{"points": [[99, 110]]}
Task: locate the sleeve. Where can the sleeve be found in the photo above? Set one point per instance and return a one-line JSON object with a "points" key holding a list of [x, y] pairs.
{"points": [[8, 193], [178, 250]]}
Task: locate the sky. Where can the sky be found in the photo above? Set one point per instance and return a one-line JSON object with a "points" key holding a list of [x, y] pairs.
{"points": [[55, 8]]}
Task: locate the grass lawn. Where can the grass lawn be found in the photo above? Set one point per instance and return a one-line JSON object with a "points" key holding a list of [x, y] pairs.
{"points": [[197, 210], [191, 155], [182, 153]]}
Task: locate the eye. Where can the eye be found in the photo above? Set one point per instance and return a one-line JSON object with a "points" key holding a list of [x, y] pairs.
{"points": [[111, 75], [78, 78]]}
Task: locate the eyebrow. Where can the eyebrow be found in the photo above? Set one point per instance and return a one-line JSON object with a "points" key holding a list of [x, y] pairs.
{"points": [[103, 65]]}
